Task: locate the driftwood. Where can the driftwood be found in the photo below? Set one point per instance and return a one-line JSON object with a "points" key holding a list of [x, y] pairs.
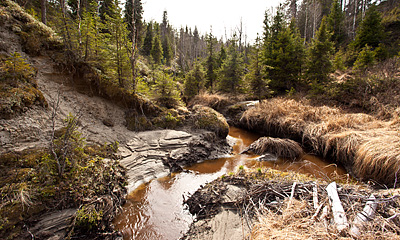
{"points": [[315, 196], [339, 216], [367, 214]]}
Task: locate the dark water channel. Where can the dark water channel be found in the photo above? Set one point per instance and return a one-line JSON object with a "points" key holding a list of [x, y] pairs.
{"points": [[155, 210]]}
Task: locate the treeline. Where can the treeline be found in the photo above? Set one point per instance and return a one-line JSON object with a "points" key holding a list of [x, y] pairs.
{"points": [[303, 42]]}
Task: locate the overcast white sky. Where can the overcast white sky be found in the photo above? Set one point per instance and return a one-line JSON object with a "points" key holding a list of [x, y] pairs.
{"points": [[220, 14]]}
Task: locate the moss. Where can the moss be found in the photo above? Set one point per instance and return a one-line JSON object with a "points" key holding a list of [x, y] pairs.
{"points": [[169, 119], [88, 218], [209, 119]]}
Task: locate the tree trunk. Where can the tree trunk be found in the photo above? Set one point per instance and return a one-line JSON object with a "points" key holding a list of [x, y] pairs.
{"points": [[43, 10]]}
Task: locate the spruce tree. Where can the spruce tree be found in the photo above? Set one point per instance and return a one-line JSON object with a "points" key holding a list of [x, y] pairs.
{"points": [[320, 55], [166, 92], [371, 31], [258, 81], [221, 57], [211, 63], [194, 81], [137, 14], [148, 40], [157, 50], [116, 45], [231, 73], [167, 51], [335, 24], [283, 55]]}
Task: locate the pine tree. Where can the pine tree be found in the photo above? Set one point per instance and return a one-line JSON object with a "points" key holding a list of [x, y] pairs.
{"points": [[211, 63], [194, 81], [148, 40], [335, 24], [371, 31], [231, 73], [157, 49], [320, 55]]}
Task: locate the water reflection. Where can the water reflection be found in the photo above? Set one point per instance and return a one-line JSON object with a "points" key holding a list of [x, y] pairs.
{"points": [[155, 210]]}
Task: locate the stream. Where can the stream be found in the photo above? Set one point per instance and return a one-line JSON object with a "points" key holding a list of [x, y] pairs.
{"points": [[155, 210]]}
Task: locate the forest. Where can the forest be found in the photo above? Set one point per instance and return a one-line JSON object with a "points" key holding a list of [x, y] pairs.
{"points": [[302, 46]]}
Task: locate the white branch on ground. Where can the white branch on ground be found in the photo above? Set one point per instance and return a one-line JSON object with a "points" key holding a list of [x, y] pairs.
{"points": [[339, 216]]}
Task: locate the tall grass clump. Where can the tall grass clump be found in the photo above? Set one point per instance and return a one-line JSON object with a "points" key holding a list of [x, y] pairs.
{"points": [[367, 145], [282, 148]]}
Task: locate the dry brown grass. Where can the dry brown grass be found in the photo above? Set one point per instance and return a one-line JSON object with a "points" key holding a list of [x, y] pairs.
{"points": [[215, 101], [281, 148], [367, 145], [294, 223]]}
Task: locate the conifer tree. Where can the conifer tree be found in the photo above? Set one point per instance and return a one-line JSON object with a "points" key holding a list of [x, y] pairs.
{"points": [[231, 73], [138, 15], [211, 63], [166, 92], [167, 51], [335, 24], [116, 44], [283, 54], [194, 81], [371, 31], [221, 56], [157, 50], [258, 81], [320, 55], [148, 40]]}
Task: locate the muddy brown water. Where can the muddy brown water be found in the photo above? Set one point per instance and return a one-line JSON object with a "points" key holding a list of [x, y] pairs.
{"points": [[155, 210]]}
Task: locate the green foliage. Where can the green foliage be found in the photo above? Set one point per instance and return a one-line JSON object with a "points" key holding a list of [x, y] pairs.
{"points": [[16, 68], [283, 55], [157, 50], [88, 218], [335, 24], [194, 81], [258, 81], [166, 93], [211, 64], [167, 51], [371, 31], [148, 40], [320, 53], [365, 58], [17, 86], [231, 73], [338, 61]]}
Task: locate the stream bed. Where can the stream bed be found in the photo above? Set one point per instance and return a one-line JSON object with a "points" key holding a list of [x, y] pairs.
{"points": [[155, 210]]}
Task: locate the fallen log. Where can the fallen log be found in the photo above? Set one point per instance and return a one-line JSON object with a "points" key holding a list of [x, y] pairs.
{"points": [[339, 216], [367, 214]]}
